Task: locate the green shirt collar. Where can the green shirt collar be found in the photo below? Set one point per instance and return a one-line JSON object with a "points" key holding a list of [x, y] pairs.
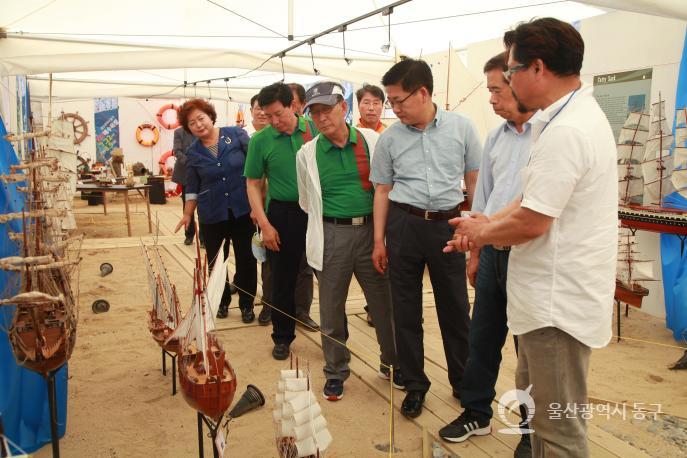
{"points": [[300, 126], [326, 145]]}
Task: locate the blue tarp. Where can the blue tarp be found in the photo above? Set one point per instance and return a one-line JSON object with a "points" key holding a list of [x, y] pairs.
{"points": [[23, 393], [673, 261]]}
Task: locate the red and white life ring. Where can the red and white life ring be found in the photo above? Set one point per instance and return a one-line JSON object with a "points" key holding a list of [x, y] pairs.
{"points": [[161, 119], [139, 134], [162, 162]]}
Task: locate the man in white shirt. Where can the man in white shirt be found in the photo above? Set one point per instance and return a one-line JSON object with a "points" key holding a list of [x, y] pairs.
{"points": [[561, 274]]}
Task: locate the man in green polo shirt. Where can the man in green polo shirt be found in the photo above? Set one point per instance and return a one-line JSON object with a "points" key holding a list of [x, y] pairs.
{"points": [[272, 154], [334, 188]]}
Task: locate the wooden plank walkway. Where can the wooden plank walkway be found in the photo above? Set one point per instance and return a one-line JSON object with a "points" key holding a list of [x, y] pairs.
{"points": [[440, 406]]}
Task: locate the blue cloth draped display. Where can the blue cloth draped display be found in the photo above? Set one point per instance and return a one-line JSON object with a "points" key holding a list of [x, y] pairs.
{"points": [[674, 262]]}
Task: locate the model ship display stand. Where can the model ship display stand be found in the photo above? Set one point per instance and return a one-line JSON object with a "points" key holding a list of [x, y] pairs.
{"points": [[208, 382], [43, 330]]}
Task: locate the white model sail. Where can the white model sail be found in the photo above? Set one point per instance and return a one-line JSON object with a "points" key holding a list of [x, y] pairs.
{"points": [[217, 282], [631, 145], [679, 176], [300, 427], [657, 166], [630, 267], [154, 286]]}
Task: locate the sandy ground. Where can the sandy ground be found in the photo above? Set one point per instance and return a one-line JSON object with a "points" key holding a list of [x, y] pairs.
{"points": [[120, 404]]}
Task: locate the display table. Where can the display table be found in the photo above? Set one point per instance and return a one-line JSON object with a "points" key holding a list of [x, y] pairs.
{"points": [[141, 189]]}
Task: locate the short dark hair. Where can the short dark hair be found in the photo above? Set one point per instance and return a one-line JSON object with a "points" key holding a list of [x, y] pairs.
{"points": [[195, 104], [299, 90], [253, 100], [277, 92], [555, 42], [411, 74], [374, 91], [498, 62]]}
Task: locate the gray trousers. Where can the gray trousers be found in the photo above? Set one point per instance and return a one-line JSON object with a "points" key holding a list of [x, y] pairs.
{"points": [[348, 252], [556, 365], [304, 287]]}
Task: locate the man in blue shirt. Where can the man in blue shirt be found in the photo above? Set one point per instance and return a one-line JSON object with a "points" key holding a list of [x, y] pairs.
{"points": [[506, 152], [418, 167]]}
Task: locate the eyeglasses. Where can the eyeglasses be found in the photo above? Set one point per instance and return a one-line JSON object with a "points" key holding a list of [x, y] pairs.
{"points": [[514, 69], [390, 104], [374, 103]]}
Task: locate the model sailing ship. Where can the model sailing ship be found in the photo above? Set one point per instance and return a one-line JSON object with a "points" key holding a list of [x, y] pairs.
{"points": [[165, 315], [647, 172], [208, 381], [43, 329], [301, 430], [631, 270]]}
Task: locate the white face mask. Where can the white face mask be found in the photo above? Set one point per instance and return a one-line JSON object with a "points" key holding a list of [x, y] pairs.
{"points": [[259, 251]]}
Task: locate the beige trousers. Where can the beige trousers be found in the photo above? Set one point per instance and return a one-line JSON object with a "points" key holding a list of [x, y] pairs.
{"points": [[556, 365]]}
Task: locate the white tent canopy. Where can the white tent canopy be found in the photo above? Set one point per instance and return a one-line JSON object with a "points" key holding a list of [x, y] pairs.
{"points": [[151, 48]]}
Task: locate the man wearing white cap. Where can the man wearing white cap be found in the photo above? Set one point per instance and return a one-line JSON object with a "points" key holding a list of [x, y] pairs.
{"points": [[334, 189]]}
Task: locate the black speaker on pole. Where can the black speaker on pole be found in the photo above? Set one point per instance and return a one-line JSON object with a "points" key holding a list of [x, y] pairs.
{"points": [[157, 190]]}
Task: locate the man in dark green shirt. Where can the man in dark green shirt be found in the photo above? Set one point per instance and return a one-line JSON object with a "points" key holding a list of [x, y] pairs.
{"points": [[272, 154], [334, 188]]}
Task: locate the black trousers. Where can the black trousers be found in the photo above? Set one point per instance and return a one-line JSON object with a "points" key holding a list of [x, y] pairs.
{"points": [[238, 231], [191, 231], [291, 223], [413, 243]]}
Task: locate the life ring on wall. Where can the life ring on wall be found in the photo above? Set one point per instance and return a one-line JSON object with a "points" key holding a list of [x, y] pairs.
{"points": [[161, 119], [139, 137], [162, 162]]}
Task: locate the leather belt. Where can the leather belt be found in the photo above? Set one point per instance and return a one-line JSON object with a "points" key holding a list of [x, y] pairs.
{"points": [[441, 215], [357, 221], [501, 247]]}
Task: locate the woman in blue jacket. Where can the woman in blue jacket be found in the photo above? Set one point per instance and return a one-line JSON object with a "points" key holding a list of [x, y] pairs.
{"points": [[216, 186]]}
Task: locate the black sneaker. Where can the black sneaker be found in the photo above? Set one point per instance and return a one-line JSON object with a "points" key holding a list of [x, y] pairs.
{"points": [[333, 389], [265, 315], [385, 372], [188, 240], [463, 427], [247, 315]]}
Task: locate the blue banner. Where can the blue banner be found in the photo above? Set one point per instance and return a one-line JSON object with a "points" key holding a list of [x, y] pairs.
{"points": [[106, 127], [673, 250]]}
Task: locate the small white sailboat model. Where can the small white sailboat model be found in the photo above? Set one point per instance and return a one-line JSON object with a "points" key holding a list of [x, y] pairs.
{"points": [[165, 315], [207, 379], [301, 430], [631, 270]]}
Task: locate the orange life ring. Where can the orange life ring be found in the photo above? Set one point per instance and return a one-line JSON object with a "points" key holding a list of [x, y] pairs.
{"points": [[161, 120], [139, 137], [162, 162]]}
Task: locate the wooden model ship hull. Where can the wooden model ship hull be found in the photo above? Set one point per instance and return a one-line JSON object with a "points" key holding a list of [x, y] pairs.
{"points": [[654, 219], [42, 336], [210, 394], [161, 332], [630, 294]]}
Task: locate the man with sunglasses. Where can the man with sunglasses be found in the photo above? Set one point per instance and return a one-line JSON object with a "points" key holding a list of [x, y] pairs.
{"points": [[561, 274], [335, 190], [418, 167]]}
